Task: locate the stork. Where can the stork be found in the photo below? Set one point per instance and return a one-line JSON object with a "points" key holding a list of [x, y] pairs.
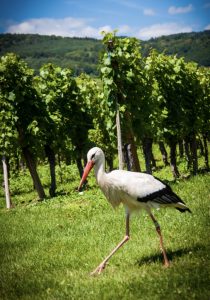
{"points": [[135, 191]]}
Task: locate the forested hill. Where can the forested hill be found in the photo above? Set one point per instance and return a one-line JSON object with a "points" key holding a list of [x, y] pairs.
{"points": [[193, 46], [82, 54]]}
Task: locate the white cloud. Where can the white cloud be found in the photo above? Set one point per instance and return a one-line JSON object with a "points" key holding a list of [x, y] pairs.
{"points": [[207, 27], [149, 12], [161, 29], [180, 10], [70, 27]]}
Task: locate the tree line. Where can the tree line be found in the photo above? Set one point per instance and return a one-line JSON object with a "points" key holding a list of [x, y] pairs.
{"points": [[56, 115]]}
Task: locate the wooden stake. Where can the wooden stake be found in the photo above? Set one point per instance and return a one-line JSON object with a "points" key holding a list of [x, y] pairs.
{"points": [[119, 139], [6, 182]]}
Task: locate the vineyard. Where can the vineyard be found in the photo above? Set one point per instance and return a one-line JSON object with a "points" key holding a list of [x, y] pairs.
{"points": [[148, 114], [56, 116]]}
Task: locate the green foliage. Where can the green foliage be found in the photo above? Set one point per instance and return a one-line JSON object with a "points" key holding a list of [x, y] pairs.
{"points": [[8, 118], [57, 88], [122, 77], [20, 104], [179, 94], [204, 117], [91, 99]]}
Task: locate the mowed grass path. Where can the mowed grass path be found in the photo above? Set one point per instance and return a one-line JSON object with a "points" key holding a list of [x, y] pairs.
{"points": [[49, 248]]}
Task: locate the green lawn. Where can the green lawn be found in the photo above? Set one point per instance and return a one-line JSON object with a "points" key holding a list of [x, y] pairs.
{"points": [[49, 248]]}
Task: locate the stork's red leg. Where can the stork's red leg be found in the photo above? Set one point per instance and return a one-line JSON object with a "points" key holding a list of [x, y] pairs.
{"points": [[102, 265], [157, 226]]}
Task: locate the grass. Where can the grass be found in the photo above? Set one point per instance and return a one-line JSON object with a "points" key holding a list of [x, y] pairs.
{"points": [[48, 248]]}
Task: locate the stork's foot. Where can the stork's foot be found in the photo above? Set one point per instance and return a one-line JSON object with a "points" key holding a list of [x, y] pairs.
{"points": [[99, 269]]}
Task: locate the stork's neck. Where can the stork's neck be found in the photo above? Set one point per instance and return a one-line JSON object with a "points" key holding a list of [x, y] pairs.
{"points": [[99, 169]]}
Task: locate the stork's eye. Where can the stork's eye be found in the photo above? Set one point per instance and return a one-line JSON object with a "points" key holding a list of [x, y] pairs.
{"points": [[92, 156]]}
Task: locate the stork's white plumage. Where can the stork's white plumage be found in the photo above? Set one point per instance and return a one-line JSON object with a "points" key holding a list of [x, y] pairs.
{"points": [[135, 191]]}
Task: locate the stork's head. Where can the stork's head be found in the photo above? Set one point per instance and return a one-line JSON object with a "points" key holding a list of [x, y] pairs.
{"points": [[94, 156]]}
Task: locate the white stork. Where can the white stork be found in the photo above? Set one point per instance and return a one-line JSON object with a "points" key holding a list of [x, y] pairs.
{"points": [[135, 191]]}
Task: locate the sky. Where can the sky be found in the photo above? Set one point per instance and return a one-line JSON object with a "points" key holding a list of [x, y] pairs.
{"points": [[87, 18]]}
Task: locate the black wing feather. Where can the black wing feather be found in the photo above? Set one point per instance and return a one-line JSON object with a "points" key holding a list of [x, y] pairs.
{"points": [[164, 196]]}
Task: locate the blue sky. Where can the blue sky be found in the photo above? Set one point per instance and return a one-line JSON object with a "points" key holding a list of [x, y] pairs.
{"points": [[86, 18]]}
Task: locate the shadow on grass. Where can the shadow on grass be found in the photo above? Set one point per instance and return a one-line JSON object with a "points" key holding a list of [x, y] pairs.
{"points": [[171, 255]]}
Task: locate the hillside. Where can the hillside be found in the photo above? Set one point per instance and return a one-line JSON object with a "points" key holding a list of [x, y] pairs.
{"points": [[192, 46], [82, 54]]}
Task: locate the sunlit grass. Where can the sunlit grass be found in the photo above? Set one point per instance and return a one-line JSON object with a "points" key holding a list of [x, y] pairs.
{"points": [[49, 248]]}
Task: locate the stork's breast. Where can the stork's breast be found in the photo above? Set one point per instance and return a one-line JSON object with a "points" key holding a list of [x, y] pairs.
{"points": [[113, 196]]}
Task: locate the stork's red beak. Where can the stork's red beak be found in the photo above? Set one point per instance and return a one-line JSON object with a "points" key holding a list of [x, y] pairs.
{"points": [[86, 171]]}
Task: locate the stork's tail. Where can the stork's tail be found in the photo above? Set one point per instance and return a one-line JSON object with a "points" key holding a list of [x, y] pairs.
{"points": [[165, 197], [184, 209], [179, 204], [174, 198]]}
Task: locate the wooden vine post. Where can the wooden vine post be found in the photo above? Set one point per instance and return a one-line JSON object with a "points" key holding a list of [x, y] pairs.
{"points": [[119, 133], [119, 138], [6, 182]]}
